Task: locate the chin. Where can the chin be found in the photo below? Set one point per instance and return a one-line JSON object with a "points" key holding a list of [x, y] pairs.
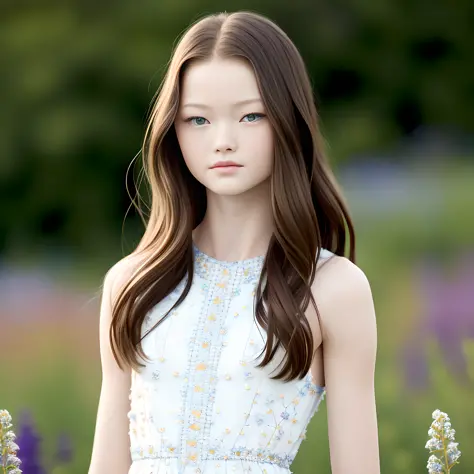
{"points": [[234, 187], [228, 189]]}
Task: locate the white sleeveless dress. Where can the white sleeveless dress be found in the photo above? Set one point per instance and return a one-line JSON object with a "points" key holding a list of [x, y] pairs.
{"points": [[201, 406]]}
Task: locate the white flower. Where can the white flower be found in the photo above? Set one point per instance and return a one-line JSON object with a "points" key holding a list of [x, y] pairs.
{"points": [[5, 420], [7, 445], [434, 465], [440, 433]]}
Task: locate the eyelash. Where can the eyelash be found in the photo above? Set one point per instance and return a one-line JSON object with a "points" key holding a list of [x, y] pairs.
{"points": [[198, 116]]}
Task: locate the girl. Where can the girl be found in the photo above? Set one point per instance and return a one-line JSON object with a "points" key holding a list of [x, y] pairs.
{"points": [[213, 360]]}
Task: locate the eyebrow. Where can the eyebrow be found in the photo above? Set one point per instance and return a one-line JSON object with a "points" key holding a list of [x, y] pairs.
{"points": [[204, 106]]}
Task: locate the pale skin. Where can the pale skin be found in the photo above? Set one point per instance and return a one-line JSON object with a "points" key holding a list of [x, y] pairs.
{"points": [[238, 225], [111, 431], [344, 362]]}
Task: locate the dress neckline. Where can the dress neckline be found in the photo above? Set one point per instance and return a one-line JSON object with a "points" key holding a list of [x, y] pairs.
{"points": [[245, 261], [249, 269], [246, 270]]}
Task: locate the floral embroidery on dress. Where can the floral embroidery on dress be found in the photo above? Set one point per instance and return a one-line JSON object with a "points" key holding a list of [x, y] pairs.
{"points": [[200, 402]]}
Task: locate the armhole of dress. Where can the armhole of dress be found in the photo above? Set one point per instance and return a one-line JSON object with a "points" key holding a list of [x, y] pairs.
{"points": [[325, 254]]}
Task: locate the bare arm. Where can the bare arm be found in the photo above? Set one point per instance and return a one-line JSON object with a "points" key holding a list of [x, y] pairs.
{"points": [[349, 352], [111, 449]]}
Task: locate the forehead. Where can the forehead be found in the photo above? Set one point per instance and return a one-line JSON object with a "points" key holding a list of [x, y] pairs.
{"points": [[219, 81]]}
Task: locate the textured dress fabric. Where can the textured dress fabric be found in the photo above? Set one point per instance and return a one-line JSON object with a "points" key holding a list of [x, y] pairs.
{"points": [[200, 405]]}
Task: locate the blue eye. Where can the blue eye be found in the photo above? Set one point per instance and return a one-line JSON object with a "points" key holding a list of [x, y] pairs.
{"points": [[196, 120], [199, 121], [254, 117]]}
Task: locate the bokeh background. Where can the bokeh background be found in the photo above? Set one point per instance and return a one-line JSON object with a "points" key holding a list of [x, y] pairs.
{"points": [[394, 83]]}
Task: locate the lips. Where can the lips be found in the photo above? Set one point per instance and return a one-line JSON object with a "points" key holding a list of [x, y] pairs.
{"points": [[224, 164]]}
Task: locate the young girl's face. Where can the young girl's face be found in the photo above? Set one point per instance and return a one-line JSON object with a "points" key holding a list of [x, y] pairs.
{"points": [[221, 117]]}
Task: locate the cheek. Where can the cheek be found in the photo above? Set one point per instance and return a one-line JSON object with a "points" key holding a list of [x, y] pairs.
{"points": [[190, 145], [261, 146]]}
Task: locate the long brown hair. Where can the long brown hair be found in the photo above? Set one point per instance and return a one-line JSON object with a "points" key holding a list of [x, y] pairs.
{"points": [[308, 209]]}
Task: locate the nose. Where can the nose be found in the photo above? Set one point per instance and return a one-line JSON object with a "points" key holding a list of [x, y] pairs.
{"points": [[225, 140]]}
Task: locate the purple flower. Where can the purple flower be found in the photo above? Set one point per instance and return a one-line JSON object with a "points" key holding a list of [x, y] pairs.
{"points": [[447, 316], [29, 442], [64, 448]]}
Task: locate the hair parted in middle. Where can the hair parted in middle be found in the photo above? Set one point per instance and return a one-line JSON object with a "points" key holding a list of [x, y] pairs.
{"points": [[309, 211]]}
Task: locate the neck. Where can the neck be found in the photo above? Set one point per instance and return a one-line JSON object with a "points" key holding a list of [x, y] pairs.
{"points": [[236, 227]]}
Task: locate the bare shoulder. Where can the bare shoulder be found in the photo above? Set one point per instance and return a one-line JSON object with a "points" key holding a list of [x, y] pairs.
{"points": [[343, 294], [339, 273], [120, 273], [115, 279]]}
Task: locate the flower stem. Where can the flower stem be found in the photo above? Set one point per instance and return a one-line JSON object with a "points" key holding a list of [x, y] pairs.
{"points": [[448, 470]]}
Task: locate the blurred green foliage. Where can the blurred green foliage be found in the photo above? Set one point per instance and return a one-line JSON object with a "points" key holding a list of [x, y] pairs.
{"points": [[77, 79]]}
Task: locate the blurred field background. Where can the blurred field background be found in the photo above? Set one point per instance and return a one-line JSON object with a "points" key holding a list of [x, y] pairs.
{"points": [[394, 83]]}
